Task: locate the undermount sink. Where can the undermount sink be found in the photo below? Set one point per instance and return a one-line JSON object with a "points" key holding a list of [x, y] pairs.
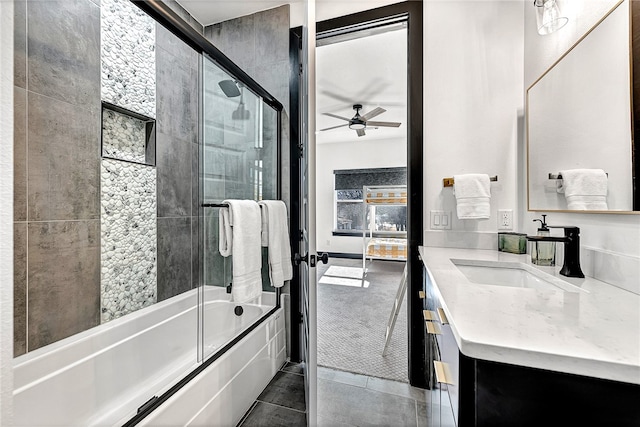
{"points": [[512, 274]]}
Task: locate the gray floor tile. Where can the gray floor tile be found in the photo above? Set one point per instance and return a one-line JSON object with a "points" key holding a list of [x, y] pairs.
{"points": [[269, 415], [285, 389], [397, 388], [354, 405], [325, 422], [342, 376], [423, 412], [293, 368]]}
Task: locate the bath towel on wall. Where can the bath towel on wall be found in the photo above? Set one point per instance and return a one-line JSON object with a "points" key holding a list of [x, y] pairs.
{"points": [[584, 189], [275, 236], [239, 237], [473, 196]]}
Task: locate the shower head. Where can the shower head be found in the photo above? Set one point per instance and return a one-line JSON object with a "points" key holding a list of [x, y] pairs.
{"points": [[230, 88], [241, 113]]}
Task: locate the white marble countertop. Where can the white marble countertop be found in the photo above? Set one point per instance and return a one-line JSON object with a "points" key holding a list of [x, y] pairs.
{"points": [[594, 332]]}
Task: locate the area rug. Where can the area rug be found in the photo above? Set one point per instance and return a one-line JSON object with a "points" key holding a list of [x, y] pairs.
{"points": [[353, 315]]}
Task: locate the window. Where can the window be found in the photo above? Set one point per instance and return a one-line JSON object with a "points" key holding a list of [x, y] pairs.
{"points": [[389, 218], [349, 210], [349, 205]]}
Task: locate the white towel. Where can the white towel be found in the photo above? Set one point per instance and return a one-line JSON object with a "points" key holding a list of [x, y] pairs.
{"points": [[584, 189], [275, 236], [239, 236], [473, 194]]}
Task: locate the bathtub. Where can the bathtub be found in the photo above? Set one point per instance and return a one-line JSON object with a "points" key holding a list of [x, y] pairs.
{"points": [[103, 375]]}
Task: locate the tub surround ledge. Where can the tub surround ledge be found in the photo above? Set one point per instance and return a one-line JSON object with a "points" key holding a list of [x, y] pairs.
{"points": [[594, 332]]}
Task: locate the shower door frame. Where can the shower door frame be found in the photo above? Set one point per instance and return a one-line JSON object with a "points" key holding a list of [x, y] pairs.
{"points": [[166, 17]]}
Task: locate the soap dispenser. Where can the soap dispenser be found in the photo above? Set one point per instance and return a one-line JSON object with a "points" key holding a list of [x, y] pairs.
{"points": [[543, 253]]}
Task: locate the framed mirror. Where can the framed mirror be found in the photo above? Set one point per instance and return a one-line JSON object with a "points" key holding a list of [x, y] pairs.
{"points": [[579, 116]]}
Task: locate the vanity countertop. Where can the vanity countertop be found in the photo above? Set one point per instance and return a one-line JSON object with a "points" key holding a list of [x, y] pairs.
{"points": [[595, 333]]}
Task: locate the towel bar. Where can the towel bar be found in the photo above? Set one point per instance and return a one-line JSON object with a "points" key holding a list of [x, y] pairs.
{"points": [[448, 182], [214, 205]]}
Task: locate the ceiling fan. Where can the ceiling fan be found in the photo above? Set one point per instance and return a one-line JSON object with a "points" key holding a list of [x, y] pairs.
{"points": [[360, 122]]}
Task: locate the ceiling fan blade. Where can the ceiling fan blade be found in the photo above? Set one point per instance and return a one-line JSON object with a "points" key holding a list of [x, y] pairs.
{"points": [[336, 96], [371, 114], [335, 127], [336, 116], [360, 132], [384, 124]]}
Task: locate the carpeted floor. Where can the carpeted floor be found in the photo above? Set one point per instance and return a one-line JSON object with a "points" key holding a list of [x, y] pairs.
{"points": [[353, 315]]}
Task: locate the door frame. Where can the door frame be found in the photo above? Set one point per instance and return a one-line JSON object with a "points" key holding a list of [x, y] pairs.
{"points": [[295, 145], [412, 10]]}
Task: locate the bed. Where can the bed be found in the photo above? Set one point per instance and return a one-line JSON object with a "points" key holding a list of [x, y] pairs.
{"points": [[383, 241]]}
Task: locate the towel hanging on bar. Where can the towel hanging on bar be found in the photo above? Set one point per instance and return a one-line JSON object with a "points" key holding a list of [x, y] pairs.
{"points": [[239, 228], [473, 195]]}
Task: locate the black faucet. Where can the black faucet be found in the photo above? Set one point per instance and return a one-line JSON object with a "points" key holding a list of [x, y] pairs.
{"points": [[571, 240]]}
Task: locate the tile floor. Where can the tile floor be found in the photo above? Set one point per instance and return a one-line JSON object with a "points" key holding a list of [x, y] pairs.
{"points": [[344, 400]]}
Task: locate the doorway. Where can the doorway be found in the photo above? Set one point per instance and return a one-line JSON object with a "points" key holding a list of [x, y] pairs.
{"points": [[411, 12], [361, 147]]}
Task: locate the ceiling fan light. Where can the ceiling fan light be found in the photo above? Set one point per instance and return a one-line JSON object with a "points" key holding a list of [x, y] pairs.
{"points": [[356, 126]]}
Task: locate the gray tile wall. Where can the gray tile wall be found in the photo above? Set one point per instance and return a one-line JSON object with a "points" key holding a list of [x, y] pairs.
{"points": [[57, 156], [57, 168], [56, 188], [63, 279], [177, 164], [259, 44]]}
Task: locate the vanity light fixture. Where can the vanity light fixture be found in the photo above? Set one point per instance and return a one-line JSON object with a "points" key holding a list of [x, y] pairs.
{"points": [[548, 18]]}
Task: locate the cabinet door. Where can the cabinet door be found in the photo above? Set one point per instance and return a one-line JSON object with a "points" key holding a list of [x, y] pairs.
{"points": [[441, 411], [449, 354], [443, 349]]}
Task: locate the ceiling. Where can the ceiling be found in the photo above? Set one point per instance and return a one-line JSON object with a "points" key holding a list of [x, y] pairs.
{"points": [[370, 70]]}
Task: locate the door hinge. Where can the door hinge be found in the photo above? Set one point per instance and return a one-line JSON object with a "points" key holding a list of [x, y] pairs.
{"points": [[300, 318], [300, 151], [300, 69]]}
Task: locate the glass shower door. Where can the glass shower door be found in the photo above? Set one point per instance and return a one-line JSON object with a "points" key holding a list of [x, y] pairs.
{"points": [[239, 160]]}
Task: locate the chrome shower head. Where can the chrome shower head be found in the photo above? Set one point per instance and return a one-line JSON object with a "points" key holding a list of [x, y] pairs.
{"points": [[230, 88]]}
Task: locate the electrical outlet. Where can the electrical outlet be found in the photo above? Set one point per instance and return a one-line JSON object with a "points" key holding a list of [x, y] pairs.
{"points": [[505, 219], [440, 220]]}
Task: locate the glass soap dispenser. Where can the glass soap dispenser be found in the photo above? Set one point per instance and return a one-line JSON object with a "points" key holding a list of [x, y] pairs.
{"points": [[543, 253]]}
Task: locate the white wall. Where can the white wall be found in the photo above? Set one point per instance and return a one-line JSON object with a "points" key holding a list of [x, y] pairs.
{"points": [[348, 155], [613, 235], [6, 213], [578, 116], [473, 67]]}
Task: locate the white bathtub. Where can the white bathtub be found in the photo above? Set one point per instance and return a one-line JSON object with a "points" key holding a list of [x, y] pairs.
{"points": [[101, 376]]}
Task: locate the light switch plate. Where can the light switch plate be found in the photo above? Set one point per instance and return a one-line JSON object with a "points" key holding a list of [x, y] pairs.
{"points": [[440, 220]]}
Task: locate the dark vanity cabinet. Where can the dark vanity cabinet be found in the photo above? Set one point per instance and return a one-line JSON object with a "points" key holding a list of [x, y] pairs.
{"points": [[466, 391]]}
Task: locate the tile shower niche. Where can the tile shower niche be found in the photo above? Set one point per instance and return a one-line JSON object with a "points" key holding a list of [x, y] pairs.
{"points": [[128, 212], [128, 136]]}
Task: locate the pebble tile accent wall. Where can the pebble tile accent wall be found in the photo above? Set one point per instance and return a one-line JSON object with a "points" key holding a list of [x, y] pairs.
{"points": [[128, 238], [128, 190], [128, 57]]}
